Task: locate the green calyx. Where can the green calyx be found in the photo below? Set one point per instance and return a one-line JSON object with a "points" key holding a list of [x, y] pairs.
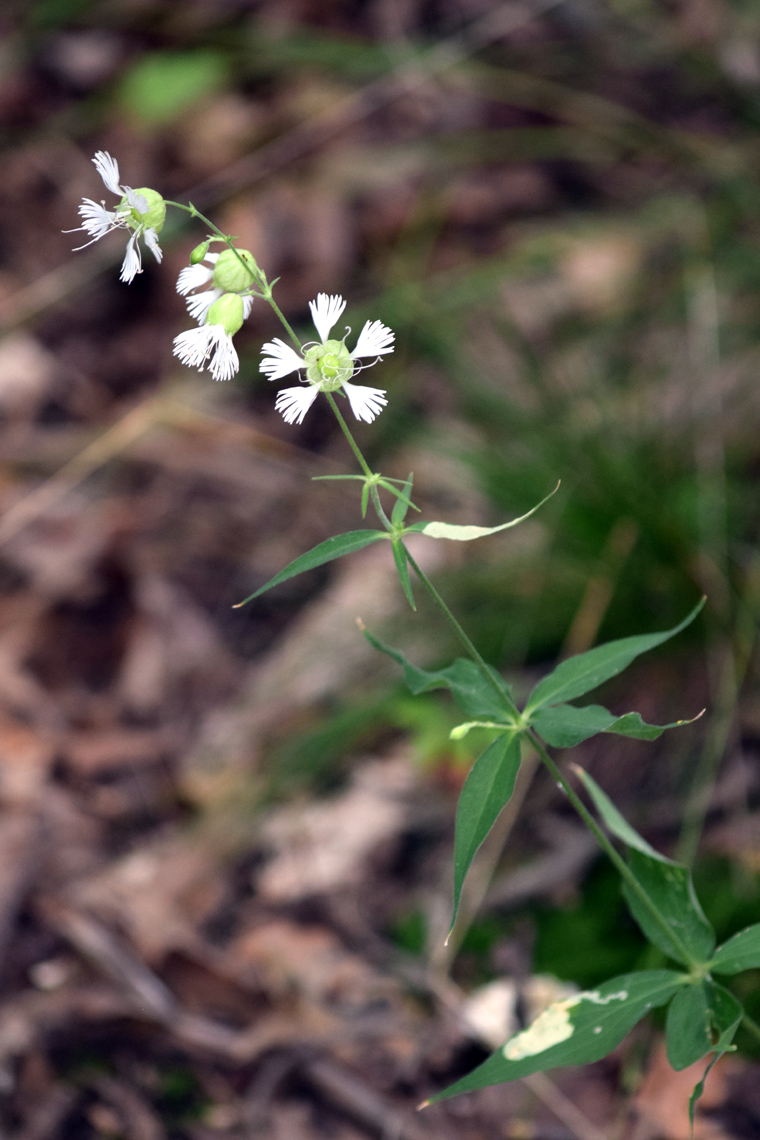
{"points": [[230, 274], [328, 365], [227, 312], [155, 215]]}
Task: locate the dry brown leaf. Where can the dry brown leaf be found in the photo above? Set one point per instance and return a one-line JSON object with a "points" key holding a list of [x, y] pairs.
{"points": [[25, 758], [662, 1102], [159, 894], [281, 958], [91, 752], [323, 846], [26, 372]]}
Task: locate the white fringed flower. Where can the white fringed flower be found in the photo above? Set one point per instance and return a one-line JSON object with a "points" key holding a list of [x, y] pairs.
{"points": [[195, 346], [198, 276], [210, 345], [328, 364], [141, 211]]}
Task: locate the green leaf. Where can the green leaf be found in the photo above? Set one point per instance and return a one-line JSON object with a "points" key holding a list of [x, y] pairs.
{"points": [[564, 726], [468, 533], [699, 1088], [742, 952], [586, 671], [725, 1014], [670, 887], [334, 547], [487, 789], [617, 824], [399, 556], [687, 1036], [401, 506], [580, 1029], [668, 884], [467, 684]]}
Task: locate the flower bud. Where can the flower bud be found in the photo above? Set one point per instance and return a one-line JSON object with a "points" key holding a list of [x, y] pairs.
{"points": [[227, 312], [230, 275], [156, 209], [198, 254]]}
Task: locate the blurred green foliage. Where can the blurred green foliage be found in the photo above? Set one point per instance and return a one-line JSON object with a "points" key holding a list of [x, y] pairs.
{"points": [[161, 85]]}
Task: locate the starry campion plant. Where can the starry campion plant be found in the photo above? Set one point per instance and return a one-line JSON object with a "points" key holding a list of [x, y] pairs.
{"points": [[702, 1015]]}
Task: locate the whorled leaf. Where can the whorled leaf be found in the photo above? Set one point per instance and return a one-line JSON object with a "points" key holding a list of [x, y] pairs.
{"points": [[564, 726], [459, 533], [470, 689], [687, 1029], [685, 931], [725, 1013], [486, 790], [742, 952], [403, 502], [586, 671], [402, 566], [332, 548], [580, 1029]]}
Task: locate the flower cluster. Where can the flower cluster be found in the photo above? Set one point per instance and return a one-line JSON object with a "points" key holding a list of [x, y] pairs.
{"points": [[210, 345], [225, 273], [219, 289], [219, 310], [140, 211]]}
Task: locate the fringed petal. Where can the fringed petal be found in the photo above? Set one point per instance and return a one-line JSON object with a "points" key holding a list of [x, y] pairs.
{"points": [[366, 403], [325, 312], [294, 403]]}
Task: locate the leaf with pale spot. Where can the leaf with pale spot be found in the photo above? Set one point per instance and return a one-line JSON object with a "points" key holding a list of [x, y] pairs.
{"points": [[592, 1028]]}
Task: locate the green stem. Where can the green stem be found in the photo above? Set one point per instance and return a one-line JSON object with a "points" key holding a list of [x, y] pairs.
{"points": [[464, 639], [347, 433], [271, 301], [361, 461], [750, 1024], [613, 854], [460, 633]]}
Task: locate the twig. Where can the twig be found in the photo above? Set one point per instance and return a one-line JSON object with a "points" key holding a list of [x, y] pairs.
{"points": [[361, 1102], [563, 1108]]}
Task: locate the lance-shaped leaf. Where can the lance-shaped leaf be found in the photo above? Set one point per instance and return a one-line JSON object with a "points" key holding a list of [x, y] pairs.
{"points": [[470, 689], [468, 533], [687, 1029], [683, 932], [742, 952], [564, 726], [725, 1014], [403, 502], [486, 790], [332, 548], [586, 671], [580, 1029], [402, 566]]}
